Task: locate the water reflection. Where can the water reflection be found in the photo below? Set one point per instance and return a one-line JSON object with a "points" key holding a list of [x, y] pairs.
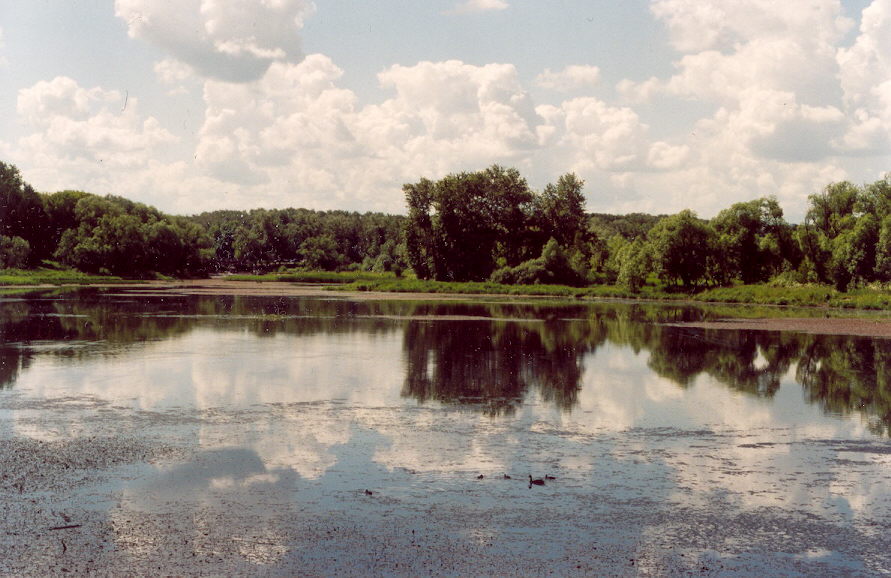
{"points": [[495, 363], [489, 357]]}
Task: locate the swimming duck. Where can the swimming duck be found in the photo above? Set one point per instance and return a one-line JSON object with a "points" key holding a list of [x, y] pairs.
{"points": [[536, 481], [549, 477]]}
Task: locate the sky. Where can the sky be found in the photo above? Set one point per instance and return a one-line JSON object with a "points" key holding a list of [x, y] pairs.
{"points": [[659, 105]]}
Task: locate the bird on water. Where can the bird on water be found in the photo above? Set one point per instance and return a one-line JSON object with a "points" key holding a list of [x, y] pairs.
{"points": [[549, 477], [536, 481]]}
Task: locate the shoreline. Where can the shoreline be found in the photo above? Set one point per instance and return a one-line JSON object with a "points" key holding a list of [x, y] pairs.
{"points": [[858, 323]]}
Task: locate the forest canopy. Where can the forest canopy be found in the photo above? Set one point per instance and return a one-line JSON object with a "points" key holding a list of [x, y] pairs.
{"points": [[487, 225]]}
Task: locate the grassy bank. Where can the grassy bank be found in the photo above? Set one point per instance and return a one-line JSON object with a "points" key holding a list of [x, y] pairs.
{"points": [[54, 276], [315, 277], [803, 296], [808, 295]]}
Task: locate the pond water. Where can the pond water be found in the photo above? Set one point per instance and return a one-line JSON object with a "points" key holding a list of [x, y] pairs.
{"points": [[258, 435]]}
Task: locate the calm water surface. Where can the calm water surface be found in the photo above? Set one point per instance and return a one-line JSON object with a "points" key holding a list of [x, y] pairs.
{"points": [[675, 450]]}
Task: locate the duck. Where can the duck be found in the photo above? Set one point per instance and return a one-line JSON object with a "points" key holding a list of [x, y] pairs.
{"points": [[506, 477], [369, 493], [549, 477], [480, 477], [536, 481]]}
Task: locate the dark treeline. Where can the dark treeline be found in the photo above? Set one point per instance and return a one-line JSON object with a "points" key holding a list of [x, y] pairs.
{"points": [[114, 235], [319, 240], [472, 226]]}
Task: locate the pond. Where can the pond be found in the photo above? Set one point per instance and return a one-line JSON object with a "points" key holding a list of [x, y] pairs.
{"points": [[230, 434]]}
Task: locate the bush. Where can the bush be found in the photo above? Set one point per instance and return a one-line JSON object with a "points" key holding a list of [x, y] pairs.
{"points": [[552, 268], [14, 252]]}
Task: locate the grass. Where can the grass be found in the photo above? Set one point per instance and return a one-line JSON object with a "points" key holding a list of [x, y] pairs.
{"points": [[799, 296], [53, 276], [866, 298], [314, 277], [805, 295]]}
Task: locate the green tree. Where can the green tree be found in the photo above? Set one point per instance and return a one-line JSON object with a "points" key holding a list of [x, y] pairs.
{"points": [[320, 252], [753, 239], [21, 212], [683, 249], [14, 252], [636, 264], [560, 211], [460, 227]]}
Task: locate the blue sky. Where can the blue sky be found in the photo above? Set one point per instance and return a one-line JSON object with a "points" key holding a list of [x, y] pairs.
{"points": [[659, 105]]}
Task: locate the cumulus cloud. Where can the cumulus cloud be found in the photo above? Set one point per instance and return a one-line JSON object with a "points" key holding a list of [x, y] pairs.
{"points": [[592, 135], [473, 6], [570, 78], [865, 73], [295, 129], [701, 25], [85, 137], [172, 71], [224, 40], [781, 100]]}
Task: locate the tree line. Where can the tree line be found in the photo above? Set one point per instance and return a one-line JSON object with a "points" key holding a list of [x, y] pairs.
{"points": [[489, 225], [111, 234], [486, 225]]}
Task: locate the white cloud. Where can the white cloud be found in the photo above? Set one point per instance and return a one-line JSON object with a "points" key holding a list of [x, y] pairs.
{"points": [[570, 78], [232, 41], [701, 25], [3, 61], [296, 131], [474, 6], [865, 73], [591, 135], [172, 71], [766, 78], [86, 138]]}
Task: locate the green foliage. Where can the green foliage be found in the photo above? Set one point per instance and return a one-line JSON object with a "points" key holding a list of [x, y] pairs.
{"points": [[14, 252], [553, 267], [636, 264], [296, 276], [461, 226], [21, 214], [465, 226], [683, 249], [753, 240], [844, 238], [268, 239], [629, 227], [559, 213], [52, 276]]}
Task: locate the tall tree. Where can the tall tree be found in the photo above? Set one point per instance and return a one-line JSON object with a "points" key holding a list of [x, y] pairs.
{"points": [[753, 238], [683, 248], [461, 227]]}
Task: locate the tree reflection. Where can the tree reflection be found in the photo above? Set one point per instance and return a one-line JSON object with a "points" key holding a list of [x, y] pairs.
{"points": [[849, 374], [479, 355], [752, 362], [494, 363]]}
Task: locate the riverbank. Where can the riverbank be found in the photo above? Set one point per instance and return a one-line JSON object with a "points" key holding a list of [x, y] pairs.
{"points": [[823, 320]]}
